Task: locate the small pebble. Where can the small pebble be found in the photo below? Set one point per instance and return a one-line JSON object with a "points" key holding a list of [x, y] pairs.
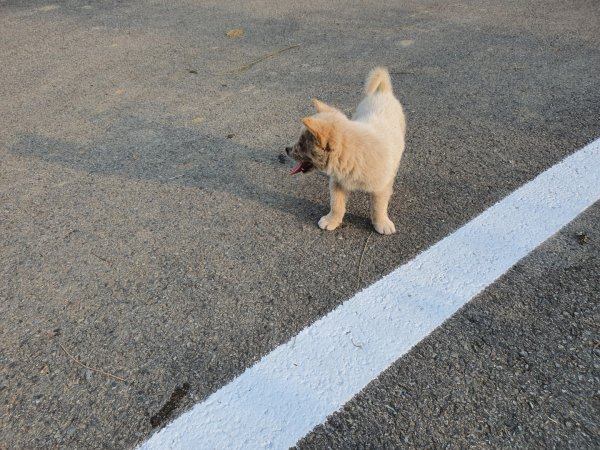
{"points": [[86, 374]]}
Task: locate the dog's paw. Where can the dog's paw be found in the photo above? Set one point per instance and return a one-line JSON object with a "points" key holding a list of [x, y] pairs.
{"points": [[385, 227], [327, 223]]}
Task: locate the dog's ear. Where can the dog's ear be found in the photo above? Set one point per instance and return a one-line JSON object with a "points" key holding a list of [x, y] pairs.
{"points": [[322, 107], [319, 128]]}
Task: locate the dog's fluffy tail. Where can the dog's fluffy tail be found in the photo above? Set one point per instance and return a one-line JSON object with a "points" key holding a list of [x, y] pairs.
{"points": [[378, 81]]}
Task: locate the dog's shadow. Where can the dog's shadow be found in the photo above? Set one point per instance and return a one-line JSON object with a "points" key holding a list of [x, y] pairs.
{"points": [[141, 150]]}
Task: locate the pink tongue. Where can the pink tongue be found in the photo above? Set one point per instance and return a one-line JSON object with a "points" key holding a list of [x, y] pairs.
{"points": [[297, 169]]}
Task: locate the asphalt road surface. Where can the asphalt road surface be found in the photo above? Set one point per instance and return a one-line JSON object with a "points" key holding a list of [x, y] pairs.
{"points": [[153, 245]]}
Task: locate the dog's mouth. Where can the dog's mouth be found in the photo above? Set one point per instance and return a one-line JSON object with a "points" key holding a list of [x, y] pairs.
{"points": [[303, 167]]}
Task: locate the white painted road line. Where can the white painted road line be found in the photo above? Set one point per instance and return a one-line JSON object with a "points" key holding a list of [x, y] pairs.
{"points": [[294, 388]]}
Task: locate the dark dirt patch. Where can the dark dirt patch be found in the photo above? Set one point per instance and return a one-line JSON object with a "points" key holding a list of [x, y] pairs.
{"points": [[167, 410]]}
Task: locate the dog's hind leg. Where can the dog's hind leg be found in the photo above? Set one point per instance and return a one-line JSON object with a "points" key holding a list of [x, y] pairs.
{"points": [[379, 208]]}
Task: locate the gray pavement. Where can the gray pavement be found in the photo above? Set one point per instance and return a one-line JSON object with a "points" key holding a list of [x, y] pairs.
{"points": [[150, 230], [519, 367]]}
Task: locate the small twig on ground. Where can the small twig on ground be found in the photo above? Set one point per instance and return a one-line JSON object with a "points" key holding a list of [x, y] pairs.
{"points": [[262, 58], [356, 345], [90, 368], [360, 260], [553, 420], [70, 233], [102, 259]]}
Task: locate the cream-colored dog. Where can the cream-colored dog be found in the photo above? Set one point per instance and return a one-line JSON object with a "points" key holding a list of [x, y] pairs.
{"points": [[362, 154]]}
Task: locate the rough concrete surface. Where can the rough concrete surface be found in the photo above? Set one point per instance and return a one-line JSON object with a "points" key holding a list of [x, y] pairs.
{"points": [[150, 230], [519, 367]]}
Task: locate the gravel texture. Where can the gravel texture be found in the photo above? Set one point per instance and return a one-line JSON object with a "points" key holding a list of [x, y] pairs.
{"points": [[149, 228]]}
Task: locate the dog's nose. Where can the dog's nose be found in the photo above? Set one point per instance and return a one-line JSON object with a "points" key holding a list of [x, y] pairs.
{"points": [[288, 150]]}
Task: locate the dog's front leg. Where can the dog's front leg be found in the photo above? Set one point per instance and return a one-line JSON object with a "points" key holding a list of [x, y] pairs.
{"points": [[338, 206]]}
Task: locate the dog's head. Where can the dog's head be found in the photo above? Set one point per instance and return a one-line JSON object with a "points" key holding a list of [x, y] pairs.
{"points": [[316, 142]]}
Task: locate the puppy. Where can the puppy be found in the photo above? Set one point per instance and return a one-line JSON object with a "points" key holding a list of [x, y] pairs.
{"points": [[361, 154]]}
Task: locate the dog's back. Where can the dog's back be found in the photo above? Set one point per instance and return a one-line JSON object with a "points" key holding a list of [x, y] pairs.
{"points": [[382, 111], [380, 106]]}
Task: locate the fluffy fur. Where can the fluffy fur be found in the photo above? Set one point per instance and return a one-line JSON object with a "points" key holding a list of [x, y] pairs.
{"points": [[362, 153]]}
